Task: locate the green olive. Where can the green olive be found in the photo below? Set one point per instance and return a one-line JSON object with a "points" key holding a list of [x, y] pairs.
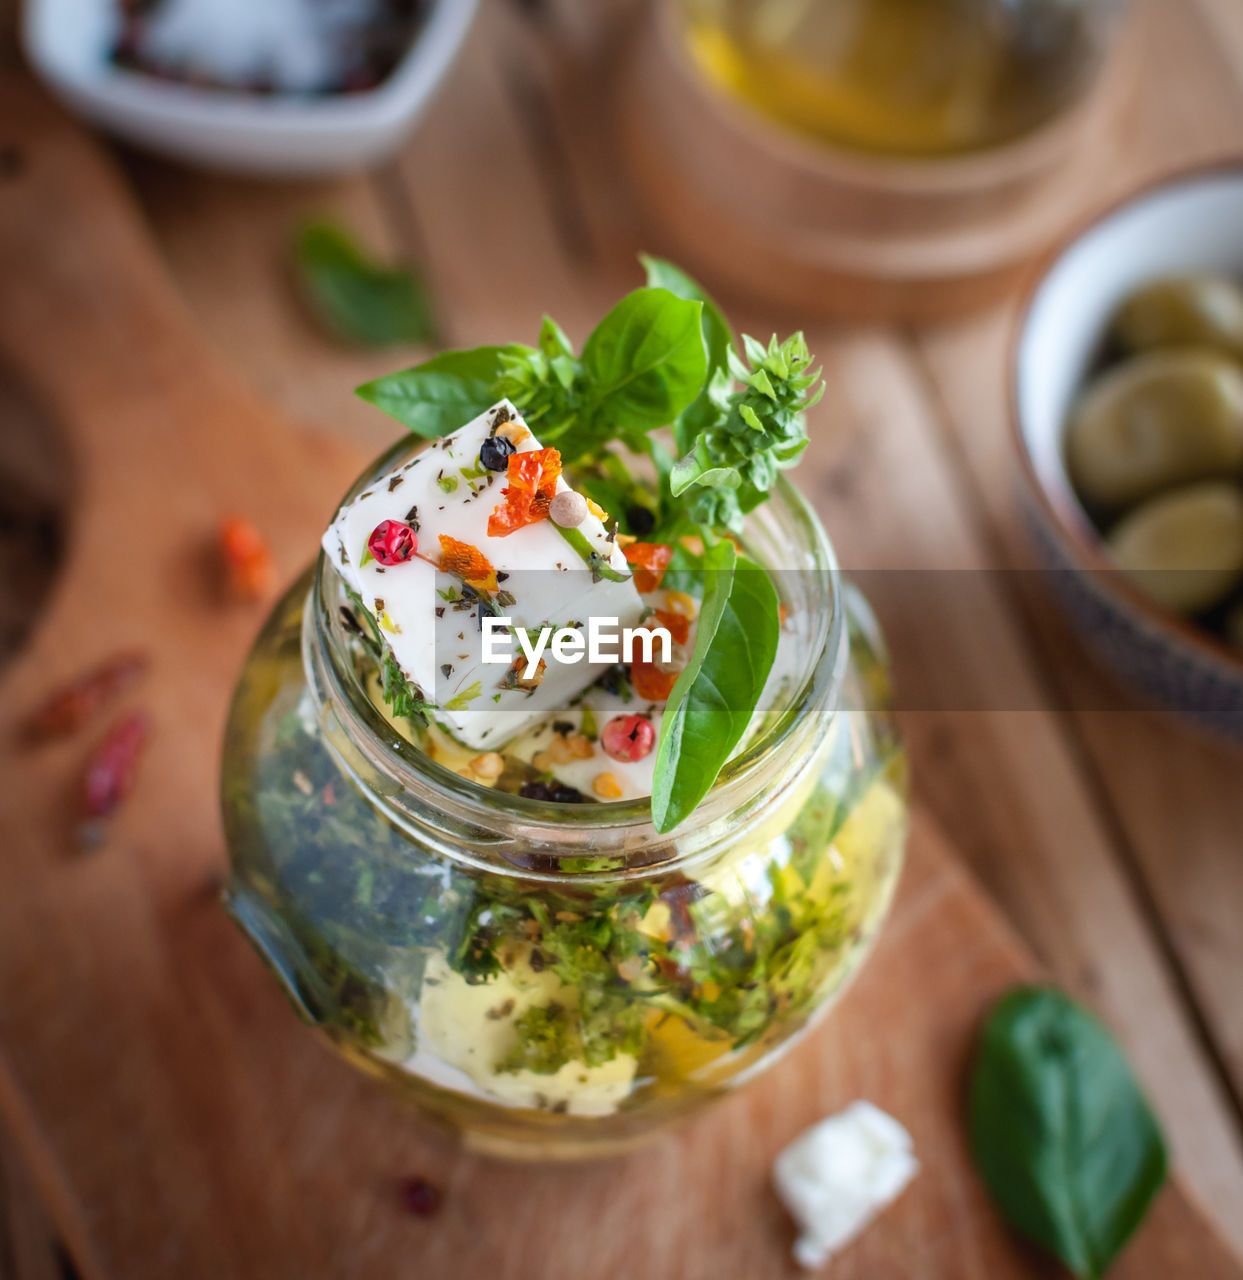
{"points": [[1184, 549], [1155, 422], [1182, 311]]}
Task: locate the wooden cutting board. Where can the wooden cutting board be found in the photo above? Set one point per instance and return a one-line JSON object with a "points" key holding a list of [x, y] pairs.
{"points": [[175, 1116]]}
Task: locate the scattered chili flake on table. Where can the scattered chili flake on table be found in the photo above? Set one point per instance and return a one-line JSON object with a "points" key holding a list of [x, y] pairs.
{"points": [[420, 1197], [649, 560], [468, 563], [250, 571], [532, 481], [113, 765], [67, 708]]}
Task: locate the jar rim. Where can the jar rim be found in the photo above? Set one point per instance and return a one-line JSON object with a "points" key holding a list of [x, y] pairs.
{"points": [[601, 828]]}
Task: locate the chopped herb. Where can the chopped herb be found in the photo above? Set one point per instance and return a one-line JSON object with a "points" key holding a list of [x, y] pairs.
{"points": [[462, 700]]}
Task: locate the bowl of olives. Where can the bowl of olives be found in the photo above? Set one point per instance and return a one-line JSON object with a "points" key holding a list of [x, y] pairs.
{"points": [[1128, 413]]}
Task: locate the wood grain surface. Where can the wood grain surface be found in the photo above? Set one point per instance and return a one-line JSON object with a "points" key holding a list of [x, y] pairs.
{"points": [[177, 1119]]}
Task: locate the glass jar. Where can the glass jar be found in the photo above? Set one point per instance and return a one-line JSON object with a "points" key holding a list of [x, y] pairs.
{"points": [[561, 980], [903, 77]]}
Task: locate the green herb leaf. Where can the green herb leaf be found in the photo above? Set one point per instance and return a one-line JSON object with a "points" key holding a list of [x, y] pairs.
{"points": [[645, 362], [718, 339], [463, 700], [712, 702], [1062, 1134], [593, 559], [403, 698], [358, 300], [730, 465], [685, 571], [438, 396]]}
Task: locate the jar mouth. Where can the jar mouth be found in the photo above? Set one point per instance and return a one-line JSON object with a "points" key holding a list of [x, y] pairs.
{"points": [[785, 524]]}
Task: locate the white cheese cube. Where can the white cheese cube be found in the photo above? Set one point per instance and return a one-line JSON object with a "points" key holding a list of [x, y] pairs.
{"points": [[433, 626], [838, 1175]]}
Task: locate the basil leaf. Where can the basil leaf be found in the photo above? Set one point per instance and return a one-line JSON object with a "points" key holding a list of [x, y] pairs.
{"points": [[718, 338], [1062, 1134], [645, 362], [358, 300], [712, 702], [552, 339], [441, 394]]}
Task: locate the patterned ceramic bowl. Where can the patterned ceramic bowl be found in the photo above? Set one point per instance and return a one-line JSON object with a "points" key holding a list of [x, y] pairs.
{"points": [[1190, 223]]}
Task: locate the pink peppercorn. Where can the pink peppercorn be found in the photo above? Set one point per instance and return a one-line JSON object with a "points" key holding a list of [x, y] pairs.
{"points": [[628, 738], [392, 542], [420, 1197]]}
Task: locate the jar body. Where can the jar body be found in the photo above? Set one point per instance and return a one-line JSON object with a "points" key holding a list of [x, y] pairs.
{"points": [[903, 77], [553, 1015]]}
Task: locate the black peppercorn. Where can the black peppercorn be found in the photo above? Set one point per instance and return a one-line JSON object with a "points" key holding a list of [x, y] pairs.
{"points": [[640, 519], [494, 453]]}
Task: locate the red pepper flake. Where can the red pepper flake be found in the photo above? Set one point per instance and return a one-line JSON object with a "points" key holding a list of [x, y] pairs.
{"points": [[628, 738], [677, 624], [467, 562], [420, 1197], [113, 765], [649, 560], [532, 481], [67, 708], [250, 572], [650, 682], [392, 542]]}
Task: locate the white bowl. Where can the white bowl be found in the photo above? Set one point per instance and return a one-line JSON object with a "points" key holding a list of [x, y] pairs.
{"points": [[68, 42], [1189, 223]]}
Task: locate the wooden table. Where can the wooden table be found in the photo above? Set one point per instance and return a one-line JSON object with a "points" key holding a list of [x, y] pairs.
{"points": [[1111, 838]]}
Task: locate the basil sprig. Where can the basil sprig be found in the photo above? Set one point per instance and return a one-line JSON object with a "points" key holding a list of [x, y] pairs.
{"points": [[360, 301], [642, 365], [1061, 1132], [713, 699], [664, 356]]}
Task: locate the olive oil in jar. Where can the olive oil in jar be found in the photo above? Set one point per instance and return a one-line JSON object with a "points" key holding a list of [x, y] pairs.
{"points": [[901, 77]]}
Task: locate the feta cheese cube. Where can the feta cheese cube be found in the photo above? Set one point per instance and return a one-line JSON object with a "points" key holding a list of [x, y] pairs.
{"points": [[433, 625], [838, 1175]]}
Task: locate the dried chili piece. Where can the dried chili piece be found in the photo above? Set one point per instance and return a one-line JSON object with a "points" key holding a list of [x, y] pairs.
{"points": [[468, 563], [650, 682], [649, 560], [113, 765], [67, 708], [677, 624], [250, 571], [532, 482]]}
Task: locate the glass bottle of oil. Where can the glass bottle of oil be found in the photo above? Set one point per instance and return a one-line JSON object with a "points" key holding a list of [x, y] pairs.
{"points": [[903, 77]]}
